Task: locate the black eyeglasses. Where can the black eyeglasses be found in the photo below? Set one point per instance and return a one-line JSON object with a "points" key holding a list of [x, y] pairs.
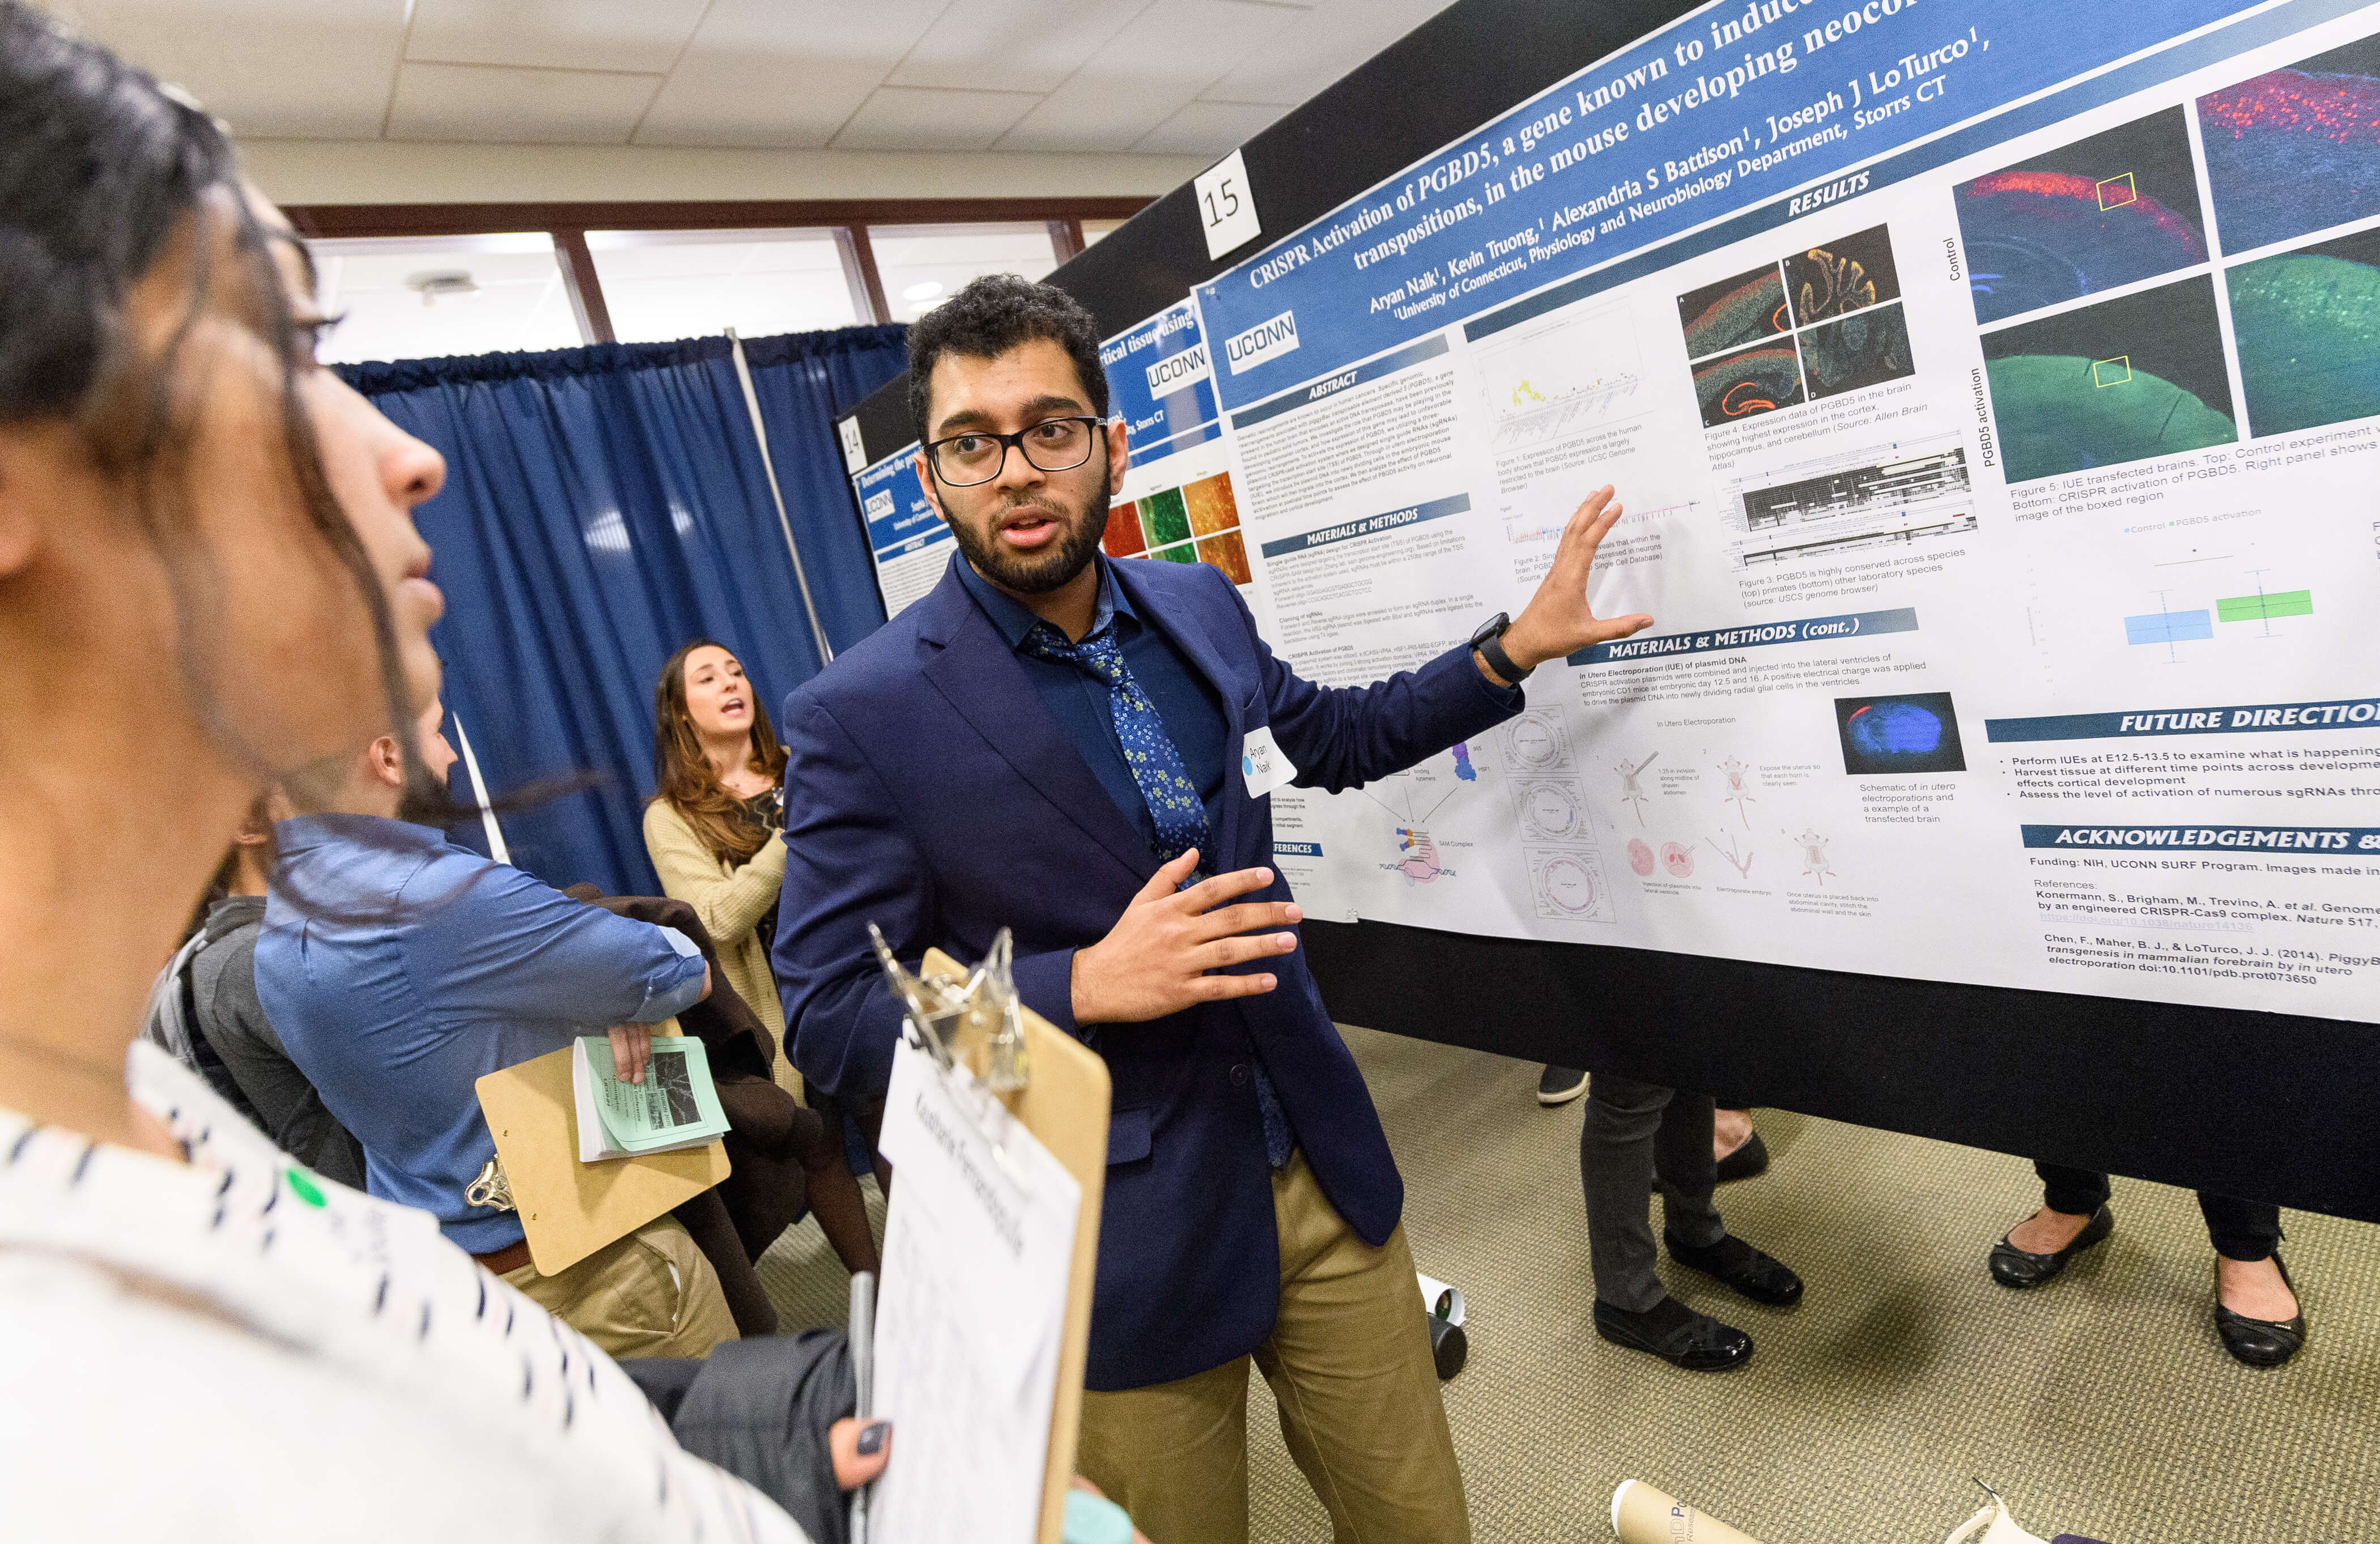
{"points": [[1052, 445]]}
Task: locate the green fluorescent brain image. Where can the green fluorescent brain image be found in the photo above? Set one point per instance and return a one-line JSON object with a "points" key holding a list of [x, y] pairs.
{"points": [[2308, 325], [2126, 379], [2055, 415]]}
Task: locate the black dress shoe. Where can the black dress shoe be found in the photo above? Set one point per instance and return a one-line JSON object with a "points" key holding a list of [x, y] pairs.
{"points": [[2012, 1267], [1560, 1084], [1741, 1266], [1677, 1334], [1750, 1158], [2259, 1343]]}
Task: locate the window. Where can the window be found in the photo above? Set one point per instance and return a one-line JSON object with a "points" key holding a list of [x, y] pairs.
{"points": [[923, 265], [415, 297], [664, 285], [419, 281]]}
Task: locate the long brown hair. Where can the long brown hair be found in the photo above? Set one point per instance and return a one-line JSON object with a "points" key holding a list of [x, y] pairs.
{"points": [[682, 772]]}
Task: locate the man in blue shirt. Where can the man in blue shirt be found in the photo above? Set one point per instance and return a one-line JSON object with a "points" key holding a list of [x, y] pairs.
{"points": [[400, 968], [1079, 750]]}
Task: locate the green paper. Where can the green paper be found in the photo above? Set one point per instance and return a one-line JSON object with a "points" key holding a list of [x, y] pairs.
{"points": [[674, 1105]]}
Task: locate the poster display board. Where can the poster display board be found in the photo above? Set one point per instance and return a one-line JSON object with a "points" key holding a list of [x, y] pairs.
{"points": [[906, 541], [1995, 395], [1178, 503]]}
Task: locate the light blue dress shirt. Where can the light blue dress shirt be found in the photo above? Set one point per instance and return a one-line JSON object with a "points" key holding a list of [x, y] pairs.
{"points": [[399, 969]]}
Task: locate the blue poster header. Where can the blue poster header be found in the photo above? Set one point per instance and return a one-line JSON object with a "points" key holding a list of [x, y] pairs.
{"points": [[1737, 104], [1752, 635], [1387, 364], [893, 502], [2265, 717], [1370, 525], [1161, 384], [2261, 839]]}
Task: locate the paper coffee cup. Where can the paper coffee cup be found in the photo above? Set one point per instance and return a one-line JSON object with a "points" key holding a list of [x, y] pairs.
{"points": [[1441, 1301], [1641, 1515]]}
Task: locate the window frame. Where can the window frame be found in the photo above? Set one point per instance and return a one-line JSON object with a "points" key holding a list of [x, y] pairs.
{"points": [[569, 223]]}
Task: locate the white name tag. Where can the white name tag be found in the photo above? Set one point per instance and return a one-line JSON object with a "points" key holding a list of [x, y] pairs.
{"points": [[1264, 763]]}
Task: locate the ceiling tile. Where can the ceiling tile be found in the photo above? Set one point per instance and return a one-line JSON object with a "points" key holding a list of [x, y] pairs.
{"points": [[1013, 46], [1318, 48], [898, 118], [1212, 128], [235, 56], [518, 106], [1146, 73], [553, 34], [781, 73]]}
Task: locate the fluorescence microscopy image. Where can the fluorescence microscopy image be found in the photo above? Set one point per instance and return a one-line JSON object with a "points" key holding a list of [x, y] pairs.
{"points": [[1733, 313], [1841, 277], [1885, 736], [1227, 552], [2113, 209], [1755, 381], [1212, 507], [2138, 376], [1163, 516], [1865, 349], [1180, 551], [1123, 537], [2295, 150], [2308, 327]]}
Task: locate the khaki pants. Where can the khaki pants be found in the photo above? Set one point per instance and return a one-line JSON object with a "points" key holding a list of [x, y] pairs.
{"points": [[652, 1293], [1349, 1365]]}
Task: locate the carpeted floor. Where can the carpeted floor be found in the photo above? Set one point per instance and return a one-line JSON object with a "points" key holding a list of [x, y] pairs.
{"points": [[2101, 1406]]}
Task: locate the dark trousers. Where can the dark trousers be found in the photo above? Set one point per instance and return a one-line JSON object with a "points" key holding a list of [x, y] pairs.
{"points": [[761, 1409], [2238, 1229], [1640, 1137]]}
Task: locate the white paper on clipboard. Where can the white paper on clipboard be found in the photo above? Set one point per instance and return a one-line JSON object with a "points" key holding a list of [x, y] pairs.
{"points": [[972, 1307]]}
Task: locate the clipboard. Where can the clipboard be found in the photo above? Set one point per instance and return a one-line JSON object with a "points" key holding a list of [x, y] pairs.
{"points": [[570, 1209], [1064, 1102]]}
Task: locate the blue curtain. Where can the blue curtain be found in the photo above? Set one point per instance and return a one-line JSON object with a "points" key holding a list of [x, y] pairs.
{"points": [[804, 387], [602, 505]]}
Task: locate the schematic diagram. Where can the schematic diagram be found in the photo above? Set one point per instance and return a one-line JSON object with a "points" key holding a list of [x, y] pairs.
{"points": [[1568, 884], [1537, 742]]}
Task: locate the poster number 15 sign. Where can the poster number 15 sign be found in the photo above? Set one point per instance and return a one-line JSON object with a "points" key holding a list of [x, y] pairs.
{"points": [[1226, 207]]}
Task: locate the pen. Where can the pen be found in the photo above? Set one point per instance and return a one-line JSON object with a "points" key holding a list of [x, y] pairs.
{"points": [[863, 1372]]}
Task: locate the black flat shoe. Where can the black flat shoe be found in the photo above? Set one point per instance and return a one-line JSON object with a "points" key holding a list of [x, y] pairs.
{"points": [[1677, 1334], [1560, 1084], [2012, 1267], [1745, 1162], [1739, 1266], [2259, 1343]]}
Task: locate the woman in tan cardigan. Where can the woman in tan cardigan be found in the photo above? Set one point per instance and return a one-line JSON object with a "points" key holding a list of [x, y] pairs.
{"points": [[713, 827], [712, 834]]}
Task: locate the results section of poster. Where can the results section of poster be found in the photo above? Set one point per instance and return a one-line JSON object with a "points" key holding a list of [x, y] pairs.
{"points": [[1994, 393]]}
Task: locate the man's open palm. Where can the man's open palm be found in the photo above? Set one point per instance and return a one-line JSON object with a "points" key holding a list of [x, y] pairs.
{"points": [[1559, 621]]}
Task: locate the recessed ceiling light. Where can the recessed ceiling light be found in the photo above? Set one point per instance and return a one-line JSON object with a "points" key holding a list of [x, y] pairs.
{"points": [[451, 283], [925, 291]]}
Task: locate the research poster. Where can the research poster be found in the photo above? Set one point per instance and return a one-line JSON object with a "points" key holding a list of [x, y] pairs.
{"points": [[1177, 504], [1994, 392], [906, 541]]}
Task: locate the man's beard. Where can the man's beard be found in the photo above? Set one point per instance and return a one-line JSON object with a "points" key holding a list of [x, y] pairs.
{"points": [[1040, 573], [426, 799]]}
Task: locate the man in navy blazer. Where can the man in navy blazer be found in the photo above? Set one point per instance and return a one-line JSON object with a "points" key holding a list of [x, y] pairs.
{"points": [[1053, 743]]}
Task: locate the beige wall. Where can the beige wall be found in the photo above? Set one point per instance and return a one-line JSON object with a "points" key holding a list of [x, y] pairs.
{"points": [[377, 171]]}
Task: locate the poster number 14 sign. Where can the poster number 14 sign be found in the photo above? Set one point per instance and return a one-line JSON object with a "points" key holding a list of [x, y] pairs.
{"points": [[1226, 207]]}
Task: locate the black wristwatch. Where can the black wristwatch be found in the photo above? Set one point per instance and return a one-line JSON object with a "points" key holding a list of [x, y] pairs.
{"points": [[1489, 641]]}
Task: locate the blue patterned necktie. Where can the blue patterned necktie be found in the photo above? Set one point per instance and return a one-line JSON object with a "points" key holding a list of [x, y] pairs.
{"points": [[1174, 806]]}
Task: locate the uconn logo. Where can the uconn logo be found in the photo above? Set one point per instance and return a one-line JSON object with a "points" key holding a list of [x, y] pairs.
{"points": [[1266, 340]]}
